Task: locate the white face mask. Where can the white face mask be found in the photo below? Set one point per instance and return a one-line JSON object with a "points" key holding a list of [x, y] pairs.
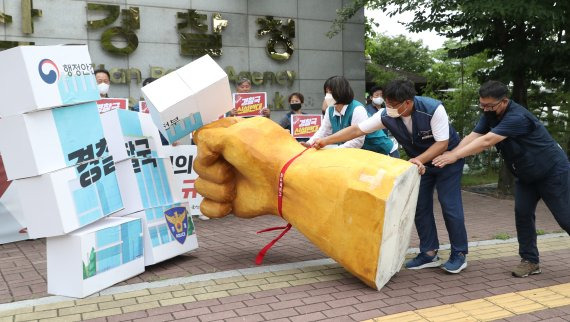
{"points": [[393, 112], [103, 88], [378, 100], [329, 99]]}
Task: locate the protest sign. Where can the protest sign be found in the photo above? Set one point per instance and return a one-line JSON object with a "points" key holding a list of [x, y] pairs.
{"points": [[108, 104], [249, 104], [305, 125]]}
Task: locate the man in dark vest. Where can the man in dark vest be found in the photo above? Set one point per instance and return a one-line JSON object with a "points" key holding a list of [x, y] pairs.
{"points": [[421, 126], [539, 164]]}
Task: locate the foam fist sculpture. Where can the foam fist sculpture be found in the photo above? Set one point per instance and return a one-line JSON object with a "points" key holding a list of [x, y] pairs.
{"points": [[357, 206]]}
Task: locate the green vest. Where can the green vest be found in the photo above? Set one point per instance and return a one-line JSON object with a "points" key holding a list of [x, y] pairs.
{"points": [[376, 141]]}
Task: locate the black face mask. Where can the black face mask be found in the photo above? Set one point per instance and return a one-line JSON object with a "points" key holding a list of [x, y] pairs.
{"points": [[490, 114], [295, 106]]}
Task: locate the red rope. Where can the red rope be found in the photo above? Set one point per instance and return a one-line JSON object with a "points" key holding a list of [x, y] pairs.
{"points": [[261, 254]]}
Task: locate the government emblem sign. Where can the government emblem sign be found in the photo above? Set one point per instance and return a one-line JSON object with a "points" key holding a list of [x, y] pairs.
{"points": [[177, 220]]}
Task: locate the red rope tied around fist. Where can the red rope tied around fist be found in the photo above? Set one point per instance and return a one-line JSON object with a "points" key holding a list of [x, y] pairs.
{"points": [[261, 254]]}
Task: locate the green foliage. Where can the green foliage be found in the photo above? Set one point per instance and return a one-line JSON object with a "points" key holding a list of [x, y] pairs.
{"points": [[479, 178], [502, 236], [90, 269], [399, 53], [540, 232]]}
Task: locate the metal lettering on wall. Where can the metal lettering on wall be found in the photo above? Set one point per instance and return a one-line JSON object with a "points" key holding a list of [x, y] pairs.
{"points": [[199, 44], [129, 23], [279, 34], [28, 13]]}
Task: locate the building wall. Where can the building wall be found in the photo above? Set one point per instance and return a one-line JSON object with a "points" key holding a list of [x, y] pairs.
{"points": [[316, 57]]}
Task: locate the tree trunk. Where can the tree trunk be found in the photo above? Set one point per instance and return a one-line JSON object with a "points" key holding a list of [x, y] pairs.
{"points": [[506, 184]]}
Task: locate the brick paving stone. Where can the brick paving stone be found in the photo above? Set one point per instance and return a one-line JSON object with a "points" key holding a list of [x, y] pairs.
{"points": [[318, 299], [316, 316], [191, 312], [127, 316], [253, 309], [361, 316], [273, 315], [227, 306], [263, 300], [340, 311], [393, 309], [217, 316], [247, 318], [166, 309], [155, 318]]}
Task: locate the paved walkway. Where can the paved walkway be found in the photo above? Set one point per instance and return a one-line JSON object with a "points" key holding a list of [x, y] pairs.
{"points": [[298, 283]]}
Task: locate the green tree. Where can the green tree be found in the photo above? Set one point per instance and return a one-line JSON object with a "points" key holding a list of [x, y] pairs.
{"points": [[529, 38], [390, 56], [399, 53]]}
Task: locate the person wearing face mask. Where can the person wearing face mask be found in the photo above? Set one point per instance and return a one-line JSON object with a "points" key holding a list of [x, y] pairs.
{"points": [[377, 105], [421, 126], [539, 164], [296, 101], [343, 112], [103, 79]]}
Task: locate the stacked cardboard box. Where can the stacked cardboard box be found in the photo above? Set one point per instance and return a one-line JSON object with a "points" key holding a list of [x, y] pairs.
{"points": [[148, 189], [54, 148]]}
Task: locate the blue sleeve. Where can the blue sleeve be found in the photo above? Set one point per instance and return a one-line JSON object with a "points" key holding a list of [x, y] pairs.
{"points": [[514, 125], [482, 126]]}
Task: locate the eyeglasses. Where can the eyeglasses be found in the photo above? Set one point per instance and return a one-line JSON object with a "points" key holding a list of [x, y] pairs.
{"points": [[395, 107], [490, 105]]}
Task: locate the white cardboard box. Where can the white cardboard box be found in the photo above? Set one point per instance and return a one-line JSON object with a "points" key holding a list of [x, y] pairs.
{"points": [[182, 158], [166, 238], [146, 183], [45, 141], [131, 134], [60, 202], [42, 77], [184, 100], [95, 257]]}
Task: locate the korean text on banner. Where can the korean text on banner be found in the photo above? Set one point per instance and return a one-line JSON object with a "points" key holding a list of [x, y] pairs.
{"points": [[146, 183], [305, 125], [43, 77], [182, 158], [188, 98], [44, 141], [60, 202], [249, 104], [109, 104], [131, 135]]}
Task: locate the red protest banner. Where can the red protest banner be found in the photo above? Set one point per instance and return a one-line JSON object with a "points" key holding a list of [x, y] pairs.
{"points": [[305, 125], [143, 108], [108, 104], [249, 104]]}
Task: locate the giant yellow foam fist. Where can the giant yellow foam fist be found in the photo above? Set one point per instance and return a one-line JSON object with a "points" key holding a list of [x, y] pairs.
{"points": [[357, 206]]}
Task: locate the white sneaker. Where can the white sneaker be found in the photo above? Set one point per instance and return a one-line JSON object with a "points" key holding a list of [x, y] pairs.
{"points": [[202, 217]]}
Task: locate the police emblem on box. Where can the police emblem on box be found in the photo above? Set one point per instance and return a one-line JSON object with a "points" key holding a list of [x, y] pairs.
{"points": [[177, 220]]}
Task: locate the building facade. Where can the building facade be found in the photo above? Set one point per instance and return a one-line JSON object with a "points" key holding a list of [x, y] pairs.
{"points": [[280, 44]]}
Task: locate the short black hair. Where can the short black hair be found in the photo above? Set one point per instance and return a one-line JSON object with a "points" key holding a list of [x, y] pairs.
{"points": [[299, 95], [375, 89], [148, 81], [341, 90], [399, 90], [494, 89], [97, 71]]}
